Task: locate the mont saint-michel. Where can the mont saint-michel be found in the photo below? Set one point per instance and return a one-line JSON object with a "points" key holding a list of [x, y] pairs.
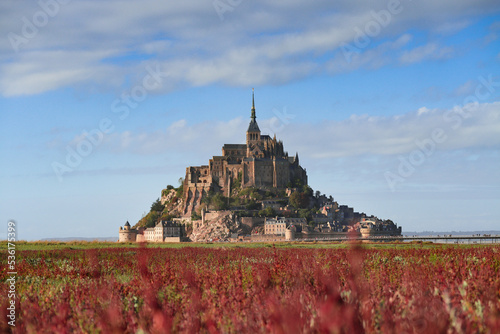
{"points": [[254, 191]]}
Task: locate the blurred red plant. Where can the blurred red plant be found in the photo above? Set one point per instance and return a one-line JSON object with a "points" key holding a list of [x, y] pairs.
{"points": [[290, 290]]}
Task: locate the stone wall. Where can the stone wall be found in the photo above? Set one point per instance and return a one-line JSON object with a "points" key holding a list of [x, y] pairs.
{"points": [[182, 221], [211, 215], [320, 235], [251, 222], [267, 237], [172, 239], [218, 225], [127, 236]]}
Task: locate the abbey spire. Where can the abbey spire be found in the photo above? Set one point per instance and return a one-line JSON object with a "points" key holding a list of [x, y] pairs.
{"points": [[253, 117], [253, 132]]}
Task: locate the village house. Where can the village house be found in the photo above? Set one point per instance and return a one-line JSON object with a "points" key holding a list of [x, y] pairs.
{"points": [[279, 225], [163, 231]]}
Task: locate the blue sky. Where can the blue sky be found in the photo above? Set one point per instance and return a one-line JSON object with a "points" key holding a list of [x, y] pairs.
{"points": [[393, 106]]}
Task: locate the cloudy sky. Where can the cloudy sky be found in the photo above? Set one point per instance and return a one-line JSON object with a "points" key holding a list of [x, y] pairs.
{"points": [[393, 106]]}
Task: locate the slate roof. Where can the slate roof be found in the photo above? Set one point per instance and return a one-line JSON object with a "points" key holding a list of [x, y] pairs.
{"points": [[253, 127]]}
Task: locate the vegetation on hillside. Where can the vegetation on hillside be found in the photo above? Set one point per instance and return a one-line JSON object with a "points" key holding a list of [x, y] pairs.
{"points": [[166, 211], [245, 202]]}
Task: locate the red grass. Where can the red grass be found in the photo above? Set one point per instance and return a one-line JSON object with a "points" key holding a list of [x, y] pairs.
{"points": [[257, 290]]}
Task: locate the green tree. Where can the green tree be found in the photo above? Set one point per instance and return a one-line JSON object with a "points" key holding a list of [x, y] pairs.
{"points": [[167, 216], [305, 213], [208, 198], [252, 193], [308, 190], [237, 182], [180, 190], [157, 206], [299, 200], [219, 202], [151, 219], [297, 183], [243, 213], [267, 212], [252, 205]]}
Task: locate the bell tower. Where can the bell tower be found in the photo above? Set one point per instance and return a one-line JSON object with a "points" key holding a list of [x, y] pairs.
{"points": [[253, 132]]}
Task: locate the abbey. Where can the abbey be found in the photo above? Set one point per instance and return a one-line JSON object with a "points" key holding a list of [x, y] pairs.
{"points": [[262, 162]]}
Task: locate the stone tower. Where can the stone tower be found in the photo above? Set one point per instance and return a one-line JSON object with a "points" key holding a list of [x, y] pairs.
{"points": [[253, 132], [127, 234]]}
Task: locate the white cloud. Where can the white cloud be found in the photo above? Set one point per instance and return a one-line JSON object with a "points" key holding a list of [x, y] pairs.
{"points": [[422, 111], [452, 27], [471, 126], [468, 127], [467, 88], [424, 52], [40, 71], [371, 58], [494, 32], [103, 43], [178, 125], [179, 137]]}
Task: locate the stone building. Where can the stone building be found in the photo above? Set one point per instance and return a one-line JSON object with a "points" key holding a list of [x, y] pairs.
{"points": [[372, 226], [163, 232], [261, 162], [273, 204], [275, 226], [278, 226], [127, 234]]}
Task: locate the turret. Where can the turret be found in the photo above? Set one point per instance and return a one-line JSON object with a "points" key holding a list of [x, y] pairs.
{"points": [[127, 234]]}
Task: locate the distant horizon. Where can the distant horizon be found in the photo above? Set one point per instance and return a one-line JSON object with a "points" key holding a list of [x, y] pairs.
{"points": [[116, 237]]}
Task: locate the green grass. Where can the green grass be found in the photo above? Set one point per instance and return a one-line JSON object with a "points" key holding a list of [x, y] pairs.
{"points": [[56, 245]]}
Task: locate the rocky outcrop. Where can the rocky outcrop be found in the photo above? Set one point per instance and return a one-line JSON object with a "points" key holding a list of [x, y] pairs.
{"points": [[173, 204], [220, 226], [167, 196], [192, 199]]}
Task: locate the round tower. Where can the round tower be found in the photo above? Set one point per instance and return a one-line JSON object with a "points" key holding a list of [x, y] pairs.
{"points": [[290, 233], [127, 234]]}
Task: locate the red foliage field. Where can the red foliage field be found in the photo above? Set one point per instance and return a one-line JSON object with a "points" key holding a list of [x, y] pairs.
{"points": [[257, 290]]}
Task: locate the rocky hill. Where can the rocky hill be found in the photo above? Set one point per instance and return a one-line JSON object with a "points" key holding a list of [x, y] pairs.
{"points": [[219, 227], [225, 214]]}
